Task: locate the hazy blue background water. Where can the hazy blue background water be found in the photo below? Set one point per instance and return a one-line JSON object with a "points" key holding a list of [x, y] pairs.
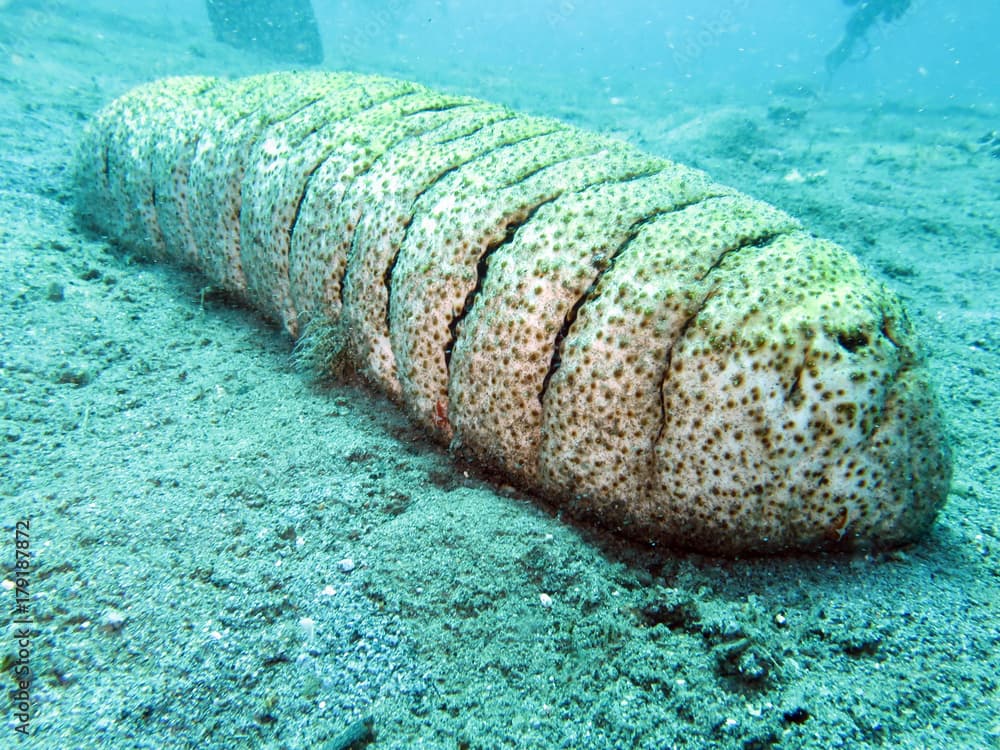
{"points": [[940, 51]]}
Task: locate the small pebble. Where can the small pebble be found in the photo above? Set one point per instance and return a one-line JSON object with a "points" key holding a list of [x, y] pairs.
{"points": [[55, 292], [113, 621], [308, 626]]}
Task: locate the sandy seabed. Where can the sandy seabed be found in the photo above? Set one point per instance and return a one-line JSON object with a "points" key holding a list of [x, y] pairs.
{"points": [[194, 500]]}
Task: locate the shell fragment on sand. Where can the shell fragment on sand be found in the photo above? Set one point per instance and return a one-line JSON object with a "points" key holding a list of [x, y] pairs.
{"points": [[615, 332]]}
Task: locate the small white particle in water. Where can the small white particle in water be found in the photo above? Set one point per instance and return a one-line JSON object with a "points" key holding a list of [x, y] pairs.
{"points": [[215, 635], [328, 590], [546, 600], [346, 565]]}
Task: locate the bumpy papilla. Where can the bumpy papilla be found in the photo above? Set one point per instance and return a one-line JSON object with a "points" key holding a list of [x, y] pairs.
{"points": [[613, 331]]}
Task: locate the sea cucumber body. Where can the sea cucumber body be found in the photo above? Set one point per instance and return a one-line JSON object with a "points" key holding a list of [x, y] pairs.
{"points": [[615, 332]]}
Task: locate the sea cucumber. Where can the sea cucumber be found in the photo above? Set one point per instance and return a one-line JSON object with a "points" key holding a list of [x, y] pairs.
{"points": [[645, 348]]}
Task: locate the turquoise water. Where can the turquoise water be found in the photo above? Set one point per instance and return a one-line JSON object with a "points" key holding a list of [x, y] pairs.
{"points": [[229, 552], [939, 51]]}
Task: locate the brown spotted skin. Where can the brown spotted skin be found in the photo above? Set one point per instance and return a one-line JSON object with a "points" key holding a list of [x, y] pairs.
{"points": [[655, 352]]}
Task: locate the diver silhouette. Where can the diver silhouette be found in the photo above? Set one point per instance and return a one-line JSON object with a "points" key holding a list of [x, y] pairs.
{"points": [[863, 18], [283, 29]]}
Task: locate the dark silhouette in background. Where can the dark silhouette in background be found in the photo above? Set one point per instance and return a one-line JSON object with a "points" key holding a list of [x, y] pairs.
{"points": [[287, 30], [863, 18], [283, 29]]}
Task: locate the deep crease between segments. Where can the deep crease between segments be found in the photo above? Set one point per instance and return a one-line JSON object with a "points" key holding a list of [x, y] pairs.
{"points": [[265, 123], [759, 242], [349, 254], [387, 274], [315, 168], [367, 106], [482, 264], [571, 315], [196, 141], [369, 101]]}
